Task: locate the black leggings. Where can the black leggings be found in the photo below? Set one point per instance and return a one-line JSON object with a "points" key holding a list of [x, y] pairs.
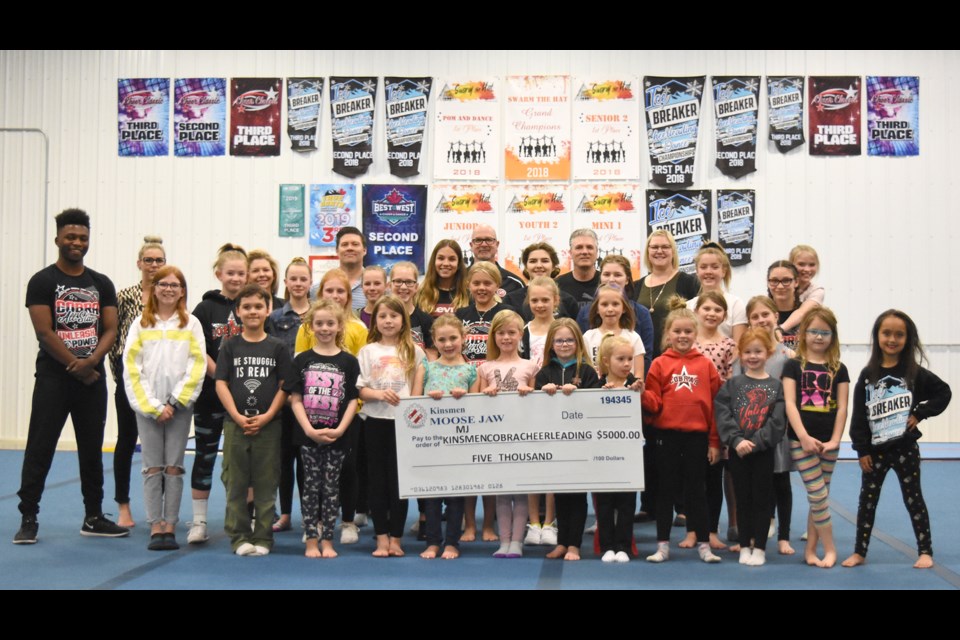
{"points": [[126, 443], [571, 518], [353, 476], [680, 456], [388, 510], [753, 484], [781, 503], [615, 520]]}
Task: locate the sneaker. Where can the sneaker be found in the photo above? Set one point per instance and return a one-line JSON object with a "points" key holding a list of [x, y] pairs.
{"points": [[662, 554], [360, 519], [707, 555], [170, 542], [758, 559], [592, 529], [515, 550], [260, 550], [349, 534], [156, 542], [622, 557], [680, 520], [745, 555], [246, 549], [198, 533], [548, 536], [99, 526], [533, 534], [27, 533], [609, 556], [803, 536]]}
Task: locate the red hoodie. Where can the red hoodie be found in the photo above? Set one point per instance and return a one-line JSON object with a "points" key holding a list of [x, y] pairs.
{"points": [[679, 393]]}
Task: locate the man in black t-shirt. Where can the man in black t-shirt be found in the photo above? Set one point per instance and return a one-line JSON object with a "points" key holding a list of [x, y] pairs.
{"points": [[74, 314], [583, 280]]}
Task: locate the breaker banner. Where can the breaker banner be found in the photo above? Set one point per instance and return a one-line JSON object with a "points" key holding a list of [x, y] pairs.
{"points": [[785, 111], [331, 206], [615, 213], [406, 102], [735, 223], [467, 132], [199, 117], [538, 128], [834, 115], [893, 115], [456, 209], [606, 130], [394, 224], [304, 99], [673, 120], [686, 214], [255, 116], [143, 116], [352, 109], [735, 104]]}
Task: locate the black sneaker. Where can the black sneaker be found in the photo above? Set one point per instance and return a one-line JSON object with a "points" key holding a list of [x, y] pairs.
{"points": [[99, 526], [28, 531]]}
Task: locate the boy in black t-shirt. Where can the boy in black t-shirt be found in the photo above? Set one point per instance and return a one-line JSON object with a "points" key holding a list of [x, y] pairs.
{"points": [[251, 369]]}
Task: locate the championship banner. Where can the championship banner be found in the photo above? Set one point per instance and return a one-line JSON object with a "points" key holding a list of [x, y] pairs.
{"points": [[406, 101], [735, 224], [612, 211], [588, 441], [687, 215], [304, 99], [673, 121], [606, 130], [291, 210], [199, 117], [394, 224], [535, 213], [735, 102], [537, 145], [467, 132], [352, 108], [834, 115], [893, 116], [143, 116], [332, 206], [255, 119], [455, 210], [785, 111]]}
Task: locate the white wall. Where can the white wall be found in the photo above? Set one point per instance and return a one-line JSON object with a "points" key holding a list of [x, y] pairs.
{"points": [[883, 226]]}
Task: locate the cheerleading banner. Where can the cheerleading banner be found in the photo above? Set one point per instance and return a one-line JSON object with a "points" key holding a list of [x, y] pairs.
{"points": [[785, 111], [535, 213], [687, 215], [304, 99], [735, 104], [199, 117], [143, 116], [467, 132], [537, 145], [394, 224], [735, 224], [352, 109], [612, 211], [332, 206], [673, 121], [255, 119], [893, 115], [406, 103], [457, 209], [834, 115], [291, 210], [606, 130]]}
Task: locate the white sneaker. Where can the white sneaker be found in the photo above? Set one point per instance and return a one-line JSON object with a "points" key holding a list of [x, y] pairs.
{"points": [[707, 555], [758, 559], [349, 534], [246, 549], [662, 554], [198, 533], [360, 519], [609, 556], [548, 535], [534, 532], [261, 550], [622, 557], [803, 536], [745, 554]]}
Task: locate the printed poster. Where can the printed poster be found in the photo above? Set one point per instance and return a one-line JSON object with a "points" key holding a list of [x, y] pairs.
{"points": [[255, 116], [893, 115], [735, 103], [537, 145], [606, 130], [291, 210], [406, 102], [456, 209], [613, 212], [467, 132], [352, 109], [143, 116], [304, 99], [394, 224], [673, 122], [332, 206], [535, 213], [199, 117], [736, 214], [834, 115], [785, 111], [687, 214]]}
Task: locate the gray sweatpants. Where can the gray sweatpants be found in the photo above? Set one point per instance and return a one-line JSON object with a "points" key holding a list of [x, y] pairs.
{"points": [[162, 446]]}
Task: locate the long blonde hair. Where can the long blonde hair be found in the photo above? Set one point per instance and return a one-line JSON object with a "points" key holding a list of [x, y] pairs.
{"points": [[833, 351], [406, 349]]}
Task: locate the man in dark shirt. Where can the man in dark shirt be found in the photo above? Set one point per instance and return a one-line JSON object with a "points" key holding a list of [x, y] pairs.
{"points": [[582, 282]]}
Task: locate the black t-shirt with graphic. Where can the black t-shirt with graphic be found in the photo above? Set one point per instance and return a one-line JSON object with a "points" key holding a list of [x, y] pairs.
{"points": [[816, 396], [477, 326], [253, 371], [420, 324], [327, 384], [75, 304]]}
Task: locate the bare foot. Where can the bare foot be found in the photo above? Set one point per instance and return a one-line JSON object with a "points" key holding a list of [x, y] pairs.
{"points": [[925, 561], [489, 535], [313, 551], [715, 542], [557, 553], [856, 560], [690, 541], [395, 550], [125, 519], [734, 548], [784, 548], [810, 557], [573, 554], [383, 547], [450, 553], [829, 559], [469, 535], [431, 552], [327, 550]]}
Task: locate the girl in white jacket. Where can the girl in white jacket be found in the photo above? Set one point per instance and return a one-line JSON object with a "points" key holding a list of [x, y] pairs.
{"points": [[164, 364]]}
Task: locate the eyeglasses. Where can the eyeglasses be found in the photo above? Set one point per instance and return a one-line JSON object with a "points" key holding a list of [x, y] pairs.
{"points": [[153, 260], [660, 247], [483, 241], [783, 282], [819, 333], [403, 283], [172, 286], [564, 342]]}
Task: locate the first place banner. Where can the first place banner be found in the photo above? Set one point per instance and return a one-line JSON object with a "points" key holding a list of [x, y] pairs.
{"points": [[590, 440]]}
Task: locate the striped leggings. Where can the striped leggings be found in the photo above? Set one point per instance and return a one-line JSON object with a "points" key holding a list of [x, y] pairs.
{"points": [[815, 471]]}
